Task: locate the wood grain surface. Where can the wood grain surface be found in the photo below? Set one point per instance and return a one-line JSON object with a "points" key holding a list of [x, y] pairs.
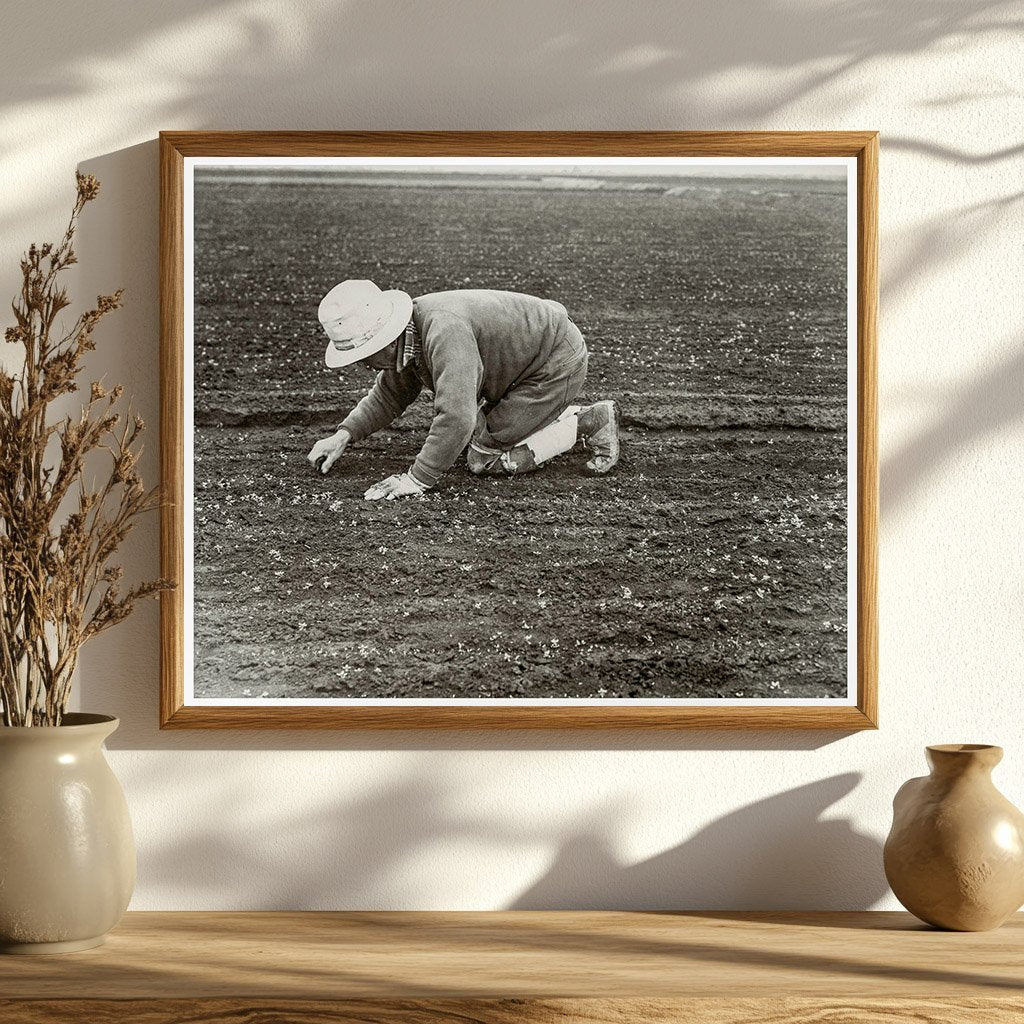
{"points": [[867, 431], [552, 143], [176, 146], [172, 442], [515, 1011], [526, 954]]}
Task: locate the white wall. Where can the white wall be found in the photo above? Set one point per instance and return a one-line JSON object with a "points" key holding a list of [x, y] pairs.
{"points": [[347, 820]]}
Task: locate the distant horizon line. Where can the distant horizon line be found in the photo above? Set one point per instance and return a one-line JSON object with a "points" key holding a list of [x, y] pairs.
{"points": [[797, 168], [535, 175]]}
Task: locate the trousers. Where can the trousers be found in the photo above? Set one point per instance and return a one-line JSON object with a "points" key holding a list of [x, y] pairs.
{"points": [[536, 401]]}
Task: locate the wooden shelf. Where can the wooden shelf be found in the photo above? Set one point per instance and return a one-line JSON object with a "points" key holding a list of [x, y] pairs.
{"points": [[425, 968]]}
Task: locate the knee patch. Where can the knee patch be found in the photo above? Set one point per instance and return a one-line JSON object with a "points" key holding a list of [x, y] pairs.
{"points": [[518, 460]]}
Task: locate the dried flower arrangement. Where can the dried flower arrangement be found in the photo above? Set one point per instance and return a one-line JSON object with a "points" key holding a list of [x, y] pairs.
{"points": [[57, 533]]}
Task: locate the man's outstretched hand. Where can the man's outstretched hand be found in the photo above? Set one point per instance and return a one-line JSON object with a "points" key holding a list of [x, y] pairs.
{"points": [[326, 452], [401, 485]]}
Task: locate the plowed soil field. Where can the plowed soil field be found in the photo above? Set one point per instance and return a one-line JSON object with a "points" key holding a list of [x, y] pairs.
{"points": [[711, 564]]}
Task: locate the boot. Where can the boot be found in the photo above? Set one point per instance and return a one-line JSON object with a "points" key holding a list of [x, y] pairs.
{"points": [[598, 429]]}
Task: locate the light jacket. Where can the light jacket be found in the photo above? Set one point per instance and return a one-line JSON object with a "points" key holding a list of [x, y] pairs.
{"points": [[476, 345]]}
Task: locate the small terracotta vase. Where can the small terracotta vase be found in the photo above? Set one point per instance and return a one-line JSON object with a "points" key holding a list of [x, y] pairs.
{"points": [[955, 854], [67, 855]]}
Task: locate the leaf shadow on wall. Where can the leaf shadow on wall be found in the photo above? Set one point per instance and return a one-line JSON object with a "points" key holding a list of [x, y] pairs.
{"points": [[777, 853], [534, 64], [318, 65], [989, 405], [400, 844]]}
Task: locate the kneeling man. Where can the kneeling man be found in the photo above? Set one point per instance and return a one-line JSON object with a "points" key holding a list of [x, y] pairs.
{"points": [[504, 369]]}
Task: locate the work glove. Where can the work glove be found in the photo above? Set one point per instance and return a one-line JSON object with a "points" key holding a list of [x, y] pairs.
{"points": [[401, 485]]}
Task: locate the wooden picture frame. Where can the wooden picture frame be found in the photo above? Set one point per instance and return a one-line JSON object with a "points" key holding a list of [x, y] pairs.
{"points": [[858, 712]]}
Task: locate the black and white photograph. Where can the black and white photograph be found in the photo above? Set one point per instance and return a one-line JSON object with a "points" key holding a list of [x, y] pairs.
{"points": [[534, 431]]}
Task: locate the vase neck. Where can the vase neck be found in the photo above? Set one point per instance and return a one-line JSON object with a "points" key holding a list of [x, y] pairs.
{"points": [[951, 760], [75, 729]]}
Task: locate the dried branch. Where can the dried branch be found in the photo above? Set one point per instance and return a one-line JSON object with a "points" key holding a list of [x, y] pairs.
{"points": [[58, 588]]}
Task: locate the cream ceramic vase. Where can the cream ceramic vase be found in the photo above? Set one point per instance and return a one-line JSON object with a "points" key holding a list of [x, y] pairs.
{"points": [[955, 855], [67, 856]]}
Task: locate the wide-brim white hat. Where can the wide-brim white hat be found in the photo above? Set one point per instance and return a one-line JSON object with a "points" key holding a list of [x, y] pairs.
{"points": [[360, 320]]}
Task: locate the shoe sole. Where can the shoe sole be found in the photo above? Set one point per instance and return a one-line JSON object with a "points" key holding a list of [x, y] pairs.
{"points": [[616, 417]]}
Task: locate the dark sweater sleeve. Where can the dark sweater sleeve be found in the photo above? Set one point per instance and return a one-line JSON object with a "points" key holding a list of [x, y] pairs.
{"points": [[391, 394], [457, 373]]}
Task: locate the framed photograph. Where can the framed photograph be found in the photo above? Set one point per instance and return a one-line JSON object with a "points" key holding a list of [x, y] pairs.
{"points": [[519, 430]]}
